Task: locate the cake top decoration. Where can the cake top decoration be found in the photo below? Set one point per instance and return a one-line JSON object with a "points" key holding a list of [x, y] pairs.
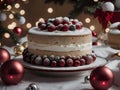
{"points": [[60, 24]]}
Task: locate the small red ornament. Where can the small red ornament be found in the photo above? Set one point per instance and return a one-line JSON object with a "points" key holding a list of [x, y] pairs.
{"points": [[94, 33], [18, 31], [101, 78], [4, 55], [12, 72]]}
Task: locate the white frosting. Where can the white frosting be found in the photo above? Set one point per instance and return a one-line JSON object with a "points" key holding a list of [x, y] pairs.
{"points": [[113, 30], [114, 25], [82, 31], [60, 48]]}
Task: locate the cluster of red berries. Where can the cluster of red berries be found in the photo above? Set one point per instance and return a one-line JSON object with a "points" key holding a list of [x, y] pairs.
{"points": [[57, 61], [60, 24]]}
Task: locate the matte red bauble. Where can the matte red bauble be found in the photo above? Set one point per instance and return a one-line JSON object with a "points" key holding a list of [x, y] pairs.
{"points": [[18, 31], [12, 72], [4, 55], [101, 78]]}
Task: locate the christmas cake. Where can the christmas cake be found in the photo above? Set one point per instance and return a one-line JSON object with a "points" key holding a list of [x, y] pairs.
{"points": [[59, 42], [114, 36]]}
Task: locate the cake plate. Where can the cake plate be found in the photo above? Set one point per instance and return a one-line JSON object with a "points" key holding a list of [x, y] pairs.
{"points": [[63, 71]]}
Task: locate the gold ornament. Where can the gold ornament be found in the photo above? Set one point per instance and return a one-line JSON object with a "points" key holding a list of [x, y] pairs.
{"points": [[18, 50], [25, 44]]}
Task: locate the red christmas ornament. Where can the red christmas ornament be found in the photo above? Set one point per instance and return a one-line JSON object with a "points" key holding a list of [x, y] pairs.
{"points": [[18, 31], [101, 78], [12, 72], [4, 55]]}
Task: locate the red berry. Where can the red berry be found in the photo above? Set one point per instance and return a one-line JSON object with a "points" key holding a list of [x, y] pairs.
{"points": [[78, 27], [88, 59], [69, 62], [65, 27], [59, 27], [61, 63], [54, 63], [57, 22], [51, 28], [42, 26], [74, 22], [82, 61], [65, 22], [46, 62], [77, 63]]}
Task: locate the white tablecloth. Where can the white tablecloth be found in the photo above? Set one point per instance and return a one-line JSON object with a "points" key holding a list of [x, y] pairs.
{"points": [[65, 83]]}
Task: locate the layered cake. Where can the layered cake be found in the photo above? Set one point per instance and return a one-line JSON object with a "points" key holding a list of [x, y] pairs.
{"points": [[114, 36], [59, 42]]}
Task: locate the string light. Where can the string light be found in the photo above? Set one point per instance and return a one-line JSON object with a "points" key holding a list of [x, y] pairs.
{"points": [[11, 16], [41, 20], [6, 35], [107, 30], [9, 7], [50, 10], [14, 24], [87, 20], [28, 25], [22, 12], [17, 5], [92, 27]]}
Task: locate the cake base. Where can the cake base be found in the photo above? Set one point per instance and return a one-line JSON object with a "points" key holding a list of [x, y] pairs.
{"points": [[58, 61]]}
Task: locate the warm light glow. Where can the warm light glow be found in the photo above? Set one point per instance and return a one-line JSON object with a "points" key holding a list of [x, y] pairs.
{"points": [[95, 0], [14, 24], [0, 44], [118, 54], [11, 16], [22, 12], [41, 20], [92, 27], [9, 7], [17, 5], [87, 20], [28, 25], [24, 0], [6, 35], [50, 10], [11, 26], [107, 30]]}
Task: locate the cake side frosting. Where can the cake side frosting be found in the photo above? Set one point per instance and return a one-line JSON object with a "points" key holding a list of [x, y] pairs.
{"points": [[60, 48]]}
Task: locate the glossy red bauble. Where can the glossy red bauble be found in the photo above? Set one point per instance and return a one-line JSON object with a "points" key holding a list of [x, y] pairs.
{"points": [[18, 31], [12, 72], [101, 78], [4, 55]]}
